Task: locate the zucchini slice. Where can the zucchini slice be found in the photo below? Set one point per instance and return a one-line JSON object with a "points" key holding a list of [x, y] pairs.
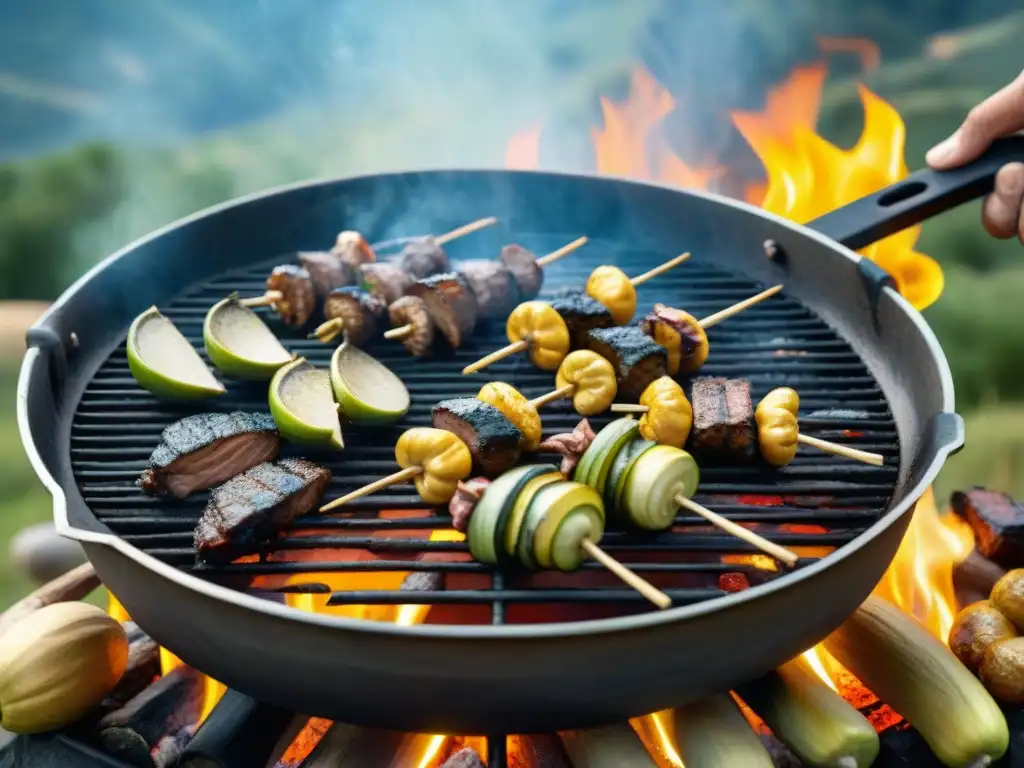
{"points": [[487, 524], [615, 485], [566, 546], [522, 503], [551, 505], [653, 483], [597, 459]]}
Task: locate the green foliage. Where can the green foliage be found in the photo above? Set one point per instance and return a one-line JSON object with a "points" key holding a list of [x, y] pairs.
{"points": [[993, 456]]}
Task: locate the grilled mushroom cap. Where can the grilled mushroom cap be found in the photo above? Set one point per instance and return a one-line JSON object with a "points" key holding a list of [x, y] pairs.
{"points": [[524, 268], [352, 248], [326, 270], [493, 285], [386, 281], [423, 257], [411, 310], [359, 311], [299, 295], [451, 304]]}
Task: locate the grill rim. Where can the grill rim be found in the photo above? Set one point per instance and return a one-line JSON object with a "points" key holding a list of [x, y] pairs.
{"points": [[945, 432]]}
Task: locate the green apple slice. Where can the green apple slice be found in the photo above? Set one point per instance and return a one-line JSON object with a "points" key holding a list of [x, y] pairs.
{"points": [[367, 390], [165, 363], [240, 344], [303, 406]]}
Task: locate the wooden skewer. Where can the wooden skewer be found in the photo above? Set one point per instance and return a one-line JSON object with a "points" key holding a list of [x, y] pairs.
{"points": [[394, 479], [268, 298], [631, 578], [565, 250], [328, 332], [399, 333], [499, 354], [628, 408], [640, 279], [465, 229], [738, 307], [841, 450], [780, 553], [556, 394]]}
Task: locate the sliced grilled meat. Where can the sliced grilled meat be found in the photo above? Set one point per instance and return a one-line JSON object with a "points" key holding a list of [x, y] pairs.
{"points": [[582, 315], [410, 310], [493, 285], [361, 313], [386, 281], [523, 266], [451, 304], [723, 419], [249, 509], [492, 439], [636, 358], [326, 270], [201, 451], [352, 248], [299, 300], [423, 257]]}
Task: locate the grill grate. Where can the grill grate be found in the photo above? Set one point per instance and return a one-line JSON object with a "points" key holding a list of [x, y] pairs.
{"points": [[816, 502]]}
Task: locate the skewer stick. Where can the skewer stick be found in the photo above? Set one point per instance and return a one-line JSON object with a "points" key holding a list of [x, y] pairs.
{"points": [[399, 333], [780, 553], [640, 279], [327, 332], [628, 408], [565, 250], [631, 578], [556, 394], [500, 354], [841, 450], [465, 229], [738, 307], [268, 298], [394, 479]]}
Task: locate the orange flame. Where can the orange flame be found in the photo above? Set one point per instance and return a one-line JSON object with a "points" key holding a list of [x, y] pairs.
{"points": [[523, 149]]}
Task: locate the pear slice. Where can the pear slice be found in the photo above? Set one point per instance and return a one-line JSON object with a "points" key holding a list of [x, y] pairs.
{"points": [[303, 405], [240, 344], [165, 363], [366, 389]]}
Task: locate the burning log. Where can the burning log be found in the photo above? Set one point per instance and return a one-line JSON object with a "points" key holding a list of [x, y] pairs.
{"points": [[543, 751], [997, 521], [73, 585], [239, 731], [166, 707], [143, 668], [610, 747], [467, 757], [974, 577], [170, 748], [353, 747]]}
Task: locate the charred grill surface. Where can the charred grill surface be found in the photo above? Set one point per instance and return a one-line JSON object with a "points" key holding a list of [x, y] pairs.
{"points": [[582, 314], [201, 451], [362, 313], [637, 359], [491, 437]]}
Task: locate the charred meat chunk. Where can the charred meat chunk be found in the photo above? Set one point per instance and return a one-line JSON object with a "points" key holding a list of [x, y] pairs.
{"points": [[326, 270], [386, 281], [492, 439], [997, 521], [201, 451], [523, 265], [582, 315], [359, 311], [412, 311], [351, 248], [493, 285], [249, 509], [571, 445], [450, 302], [637, 360], [422, 257], [467, 494], [723, 419], [298, 295]]}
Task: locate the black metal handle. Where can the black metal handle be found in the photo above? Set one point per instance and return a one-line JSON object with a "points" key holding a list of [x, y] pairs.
{"points": [[918, 197]]}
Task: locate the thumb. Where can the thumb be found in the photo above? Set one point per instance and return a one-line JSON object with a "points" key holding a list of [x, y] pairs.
{"points": [[999, 115]]}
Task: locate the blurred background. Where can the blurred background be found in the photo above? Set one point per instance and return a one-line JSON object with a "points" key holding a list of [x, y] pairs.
{"points": [[118, 116]]}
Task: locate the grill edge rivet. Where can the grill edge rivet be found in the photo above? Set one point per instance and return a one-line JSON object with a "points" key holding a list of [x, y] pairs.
{"points": [[74, 340]]}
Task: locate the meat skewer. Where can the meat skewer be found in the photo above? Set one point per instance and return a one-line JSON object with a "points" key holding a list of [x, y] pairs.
{"points": [[353, 312], [545, 330], [684, 336]]}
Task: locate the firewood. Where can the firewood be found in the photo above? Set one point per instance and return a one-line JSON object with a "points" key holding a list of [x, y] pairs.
{"points": [[997, 521], [239, 731], [467, 757], [73, 585], [543, 751], [170, 748], [164, 708], [143, 668], [353, 747], [974, 578]]}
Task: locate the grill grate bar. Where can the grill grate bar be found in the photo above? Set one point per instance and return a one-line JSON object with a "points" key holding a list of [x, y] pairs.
{"points": [[474, 596]]}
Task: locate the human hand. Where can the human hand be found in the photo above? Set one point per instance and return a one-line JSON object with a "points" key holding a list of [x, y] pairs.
{"points": [[999, 115]]}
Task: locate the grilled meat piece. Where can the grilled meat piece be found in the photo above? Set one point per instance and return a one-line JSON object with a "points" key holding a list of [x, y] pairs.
{"points": [[299, 295], [410, 310], [200, 451], [422, 257], [492, 439], [326, 270], [467, 494], [582, 315], [451, 303], [523, 265], [571, 445], [361, 313], [352, 248], [636, 358], [997, 521], [249, 509], [723, 419], [493, 285], [386, 281]]}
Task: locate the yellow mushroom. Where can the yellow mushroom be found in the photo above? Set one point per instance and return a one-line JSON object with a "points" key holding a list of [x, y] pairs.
{"points": [[777, 431], [445, 460], [517, 409], [782, 397], [543, 329], [681, 334], [669, 415], [593, 381], [610, 286]]}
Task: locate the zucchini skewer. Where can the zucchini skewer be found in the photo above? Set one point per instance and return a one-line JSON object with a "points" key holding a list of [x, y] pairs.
{"points": [[613, 746], [712, 733]]}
